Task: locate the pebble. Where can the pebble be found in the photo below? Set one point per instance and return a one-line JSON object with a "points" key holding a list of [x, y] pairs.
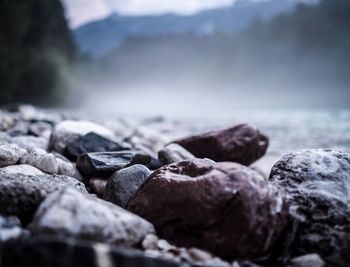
{"points": [[242, 144], [10, 154], [316, 183], [213, 206], [123, 184], [88, 218], [67, 131]]}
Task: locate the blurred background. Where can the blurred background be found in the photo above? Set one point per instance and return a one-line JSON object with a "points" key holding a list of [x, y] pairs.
{"points": [[283, 65]]}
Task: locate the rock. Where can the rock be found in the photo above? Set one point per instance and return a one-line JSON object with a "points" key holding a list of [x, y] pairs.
{"points": [[68, 169], [88, 218], [213, 206], [30, 142], [124, 183], [98, 186], [317, 186], [104, 164], [10, 154], [310, 260], [40, 128], [195, 257], [150, 140], [21, 169], [42, 160], [174, 153], [20, 194], [10, 228], [44, 252], [242, 144], [92, 142], [67, 131]]}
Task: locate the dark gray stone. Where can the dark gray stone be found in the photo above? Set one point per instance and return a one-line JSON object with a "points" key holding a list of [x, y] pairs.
{"points": [[92, 142], [72, 214], [20, 194], [317, 187], [104, 164], [124, 183]]}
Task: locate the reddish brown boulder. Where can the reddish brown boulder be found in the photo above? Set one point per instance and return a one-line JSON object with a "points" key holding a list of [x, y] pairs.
{"points": [[242, 144], [225, 208]]}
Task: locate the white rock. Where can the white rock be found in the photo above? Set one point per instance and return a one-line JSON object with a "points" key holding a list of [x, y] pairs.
{"points": [[22, 169], [10, 154], [310, 260], [30, 142], [68, 169], [72, 214], [42, 160], [68, 131]]}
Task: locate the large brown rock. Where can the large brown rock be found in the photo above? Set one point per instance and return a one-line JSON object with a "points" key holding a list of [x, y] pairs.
{"points": [[225, 208], [242, 144]]}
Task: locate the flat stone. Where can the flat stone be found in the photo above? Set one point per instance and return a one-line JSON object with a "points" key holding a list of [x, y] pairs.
{"points": [[92, 142], [174, 153], [316, 183], [104, 164], [88, 218], [66, 132], [123, 184], [213, 206], [20, 194], [10, 154], [242, 144]]}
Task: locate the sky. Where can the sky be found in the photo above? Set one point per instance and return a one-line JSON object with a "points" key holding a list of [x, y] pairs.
{"points": [[80, 12]]}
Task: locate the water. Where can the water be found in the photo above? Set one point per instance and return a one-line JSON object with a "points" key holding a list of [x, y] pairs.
{"points": [[288, 130]]}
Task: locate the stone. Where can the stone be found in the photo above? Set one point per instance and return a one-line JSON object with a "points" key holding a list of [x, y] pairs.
{"points": [[92, 142], [20, 195], [316, 183], [67, 131], [21, 169], [30, 142], [98, 186], [213, 206], [88, 218], [243, 144], [174, 153], [59, 252], [42, 160], [104, 164], [147, 138], [68, 169], [40, 128], [10, 228], [123, 184], [10, 154], [310, 260]]}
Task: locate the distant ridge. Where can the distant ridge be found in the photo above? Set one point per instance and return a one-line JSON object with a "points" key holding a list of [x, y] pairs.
{"points": [[99, 37]]}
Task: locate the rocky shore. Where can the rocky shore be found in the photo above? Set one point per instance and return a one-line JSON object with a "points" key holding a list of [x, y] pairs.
{"points": [[76, 191]]}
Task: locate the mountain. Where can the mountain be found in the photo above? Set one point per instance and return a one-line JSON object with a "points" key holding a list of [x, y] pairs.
{"points": [[99, 37]]}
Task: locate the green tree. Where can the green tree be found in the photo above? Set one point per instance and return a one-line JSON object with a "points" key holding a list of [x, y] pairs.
{"points": [[36, 50]]}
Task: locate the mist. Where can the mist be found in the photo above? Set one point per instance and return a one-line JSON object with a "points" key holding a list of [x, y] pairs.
{"points": [[299, 59]]}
